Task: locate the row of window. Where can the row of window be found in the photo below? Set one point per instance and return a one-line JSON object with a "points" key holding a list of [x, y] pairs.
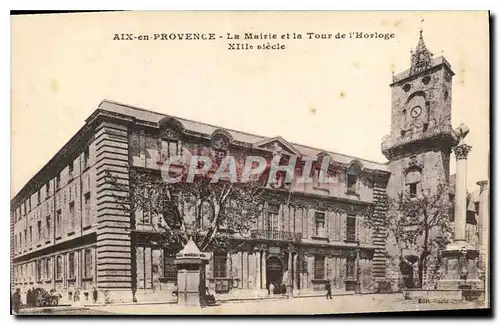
{"points": [[149, 268], [44, 230], [220, 267], [272, 223], [43, 269], [319, 267], [27, 207], [170, 147]]}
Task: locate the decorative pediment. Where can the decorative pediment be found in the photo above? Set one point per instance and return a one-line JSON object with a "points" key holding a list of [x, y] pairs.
{"points": [[355, 167], [279, 146], [168, 133], [170, 128], [221, 139]]}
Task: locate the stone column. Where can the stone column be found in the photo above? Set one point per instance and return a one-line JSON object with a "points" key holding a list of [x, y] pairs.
{"points": [[461, 152], [483, 221], [296, 277], [484, 237], [245, 270], [295, 270], [258, 284], [240, 270], [358, 271], [459, 257], [264, 268], [289, 284]]}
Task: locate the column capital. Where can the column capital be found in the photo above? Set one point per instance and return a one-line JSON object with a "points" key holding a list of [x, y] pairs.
{"points": [[462, 151]]}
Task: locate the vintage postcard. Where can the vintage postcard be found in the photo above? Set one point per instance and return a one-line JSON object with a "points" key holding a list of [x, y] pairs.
{"points": [[250, 162]]}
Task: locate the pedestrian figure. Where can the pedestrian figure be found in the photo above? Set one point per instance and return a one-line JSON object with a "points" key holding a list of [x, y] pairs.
{"points": [[29, 297], [210, 298], [271, 289], [283, 289], [16, 300], [328, 288], [94, 295]]}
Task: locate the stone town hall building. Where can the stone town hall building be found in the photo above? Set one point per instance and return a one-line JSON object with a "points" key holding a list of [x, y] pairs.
{"points": [[68, 234]]}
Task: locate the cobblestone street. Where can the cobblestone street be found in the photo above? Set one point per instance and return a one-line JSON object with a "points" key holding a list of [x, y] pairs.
{"points": [[304, 306]]}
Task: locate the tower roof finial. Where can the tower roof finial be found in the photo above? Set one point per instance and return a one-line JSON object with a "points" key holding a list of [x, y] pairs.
{"points": [[421, 58]]}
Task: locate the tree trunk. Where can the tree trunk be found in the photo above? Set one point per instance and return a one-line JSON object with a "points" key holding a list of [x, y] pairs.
{"points": [[421, 267]]}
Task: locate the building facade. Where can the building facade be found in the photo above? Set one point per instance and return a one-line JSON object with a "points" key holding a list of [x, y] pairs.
{"points": [[69, 234]]}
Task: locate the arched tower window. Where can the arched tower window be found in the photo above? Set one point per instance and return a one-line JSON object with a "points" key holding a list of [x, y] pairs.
{"points": [[413, 182]]}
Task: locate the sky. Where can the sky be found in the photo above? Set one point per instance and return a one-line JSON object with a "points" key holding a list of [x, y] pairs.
{"points": [[331, 94]]}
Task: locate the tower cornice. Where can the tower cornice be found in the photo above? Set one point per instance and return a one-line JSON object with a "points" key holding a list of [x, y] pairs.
{"points": [[440, 137], [408, 75]]}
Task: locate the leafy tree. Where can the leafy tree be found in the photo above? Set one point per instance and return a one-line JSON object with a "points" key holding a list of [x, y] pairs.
{"points": [[419, 223], [213, 214]]}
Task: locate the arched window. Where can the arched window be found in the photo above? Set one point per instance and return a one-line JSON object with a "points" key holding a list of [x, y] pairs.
{"points": [[170, 138], [352, 177], [220, 142], [413, 180]]}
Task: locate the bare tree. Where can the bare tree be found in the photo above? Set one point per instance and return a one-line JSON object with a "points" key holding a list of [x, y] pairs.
{"points": [[421, 223]]}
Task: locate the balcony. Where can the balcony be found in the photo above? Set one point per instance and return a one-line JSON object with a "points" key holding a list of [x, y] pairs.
{"points": [[276, 235]]}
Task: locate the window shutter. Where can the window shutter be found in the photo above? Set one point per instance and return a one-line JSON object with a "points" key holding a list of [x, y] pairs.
{"points": [[328, 268], [265, 216], [310, 222], [310, 266], [337, 226], [280, 220], [286, 218], [358, 230], [364, 231], [179, 147], [260, 220], [328, 224], [369, 235], [343, 219], [342, 271]]}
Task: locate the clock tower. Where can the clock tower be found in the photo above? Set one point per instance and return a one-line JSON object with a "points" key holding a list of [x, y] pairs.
{"points": [[419, 145], [421, 138]]}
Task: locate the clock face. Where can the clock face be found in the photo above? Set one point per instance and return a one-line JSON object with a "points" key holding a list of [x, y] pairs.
{"points": [[415, 112]]}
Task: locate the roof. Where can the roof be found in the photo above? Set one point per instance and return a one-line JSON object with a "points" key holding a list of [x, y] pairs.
{"points": [[208, 129], [191, 251], [203, 128]]}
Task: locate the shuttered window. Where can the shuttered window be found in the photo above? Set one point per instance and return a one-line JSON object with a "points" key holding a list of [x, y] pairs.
{"points": [[319, 267]]}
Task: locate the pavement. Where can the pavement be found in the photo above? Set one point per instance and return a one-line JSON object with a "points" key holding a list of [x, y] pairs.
{"points": [[372, 303], [368, 303]]}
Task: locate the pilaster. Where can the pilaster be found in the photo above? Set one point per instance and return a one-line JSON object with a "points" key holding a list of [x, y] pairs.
{"points": [[113, 219], [379, 234]]}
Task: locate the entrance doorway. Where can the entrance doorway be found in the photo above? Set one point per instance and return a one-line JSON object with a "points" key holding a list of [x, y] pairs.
{"points": [[274, 272], [407, 273]]}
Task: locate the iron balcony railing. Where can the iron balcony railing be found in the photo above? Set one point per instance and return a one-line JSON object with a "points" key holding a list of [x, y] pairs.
{"points": [[276, 235]]}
